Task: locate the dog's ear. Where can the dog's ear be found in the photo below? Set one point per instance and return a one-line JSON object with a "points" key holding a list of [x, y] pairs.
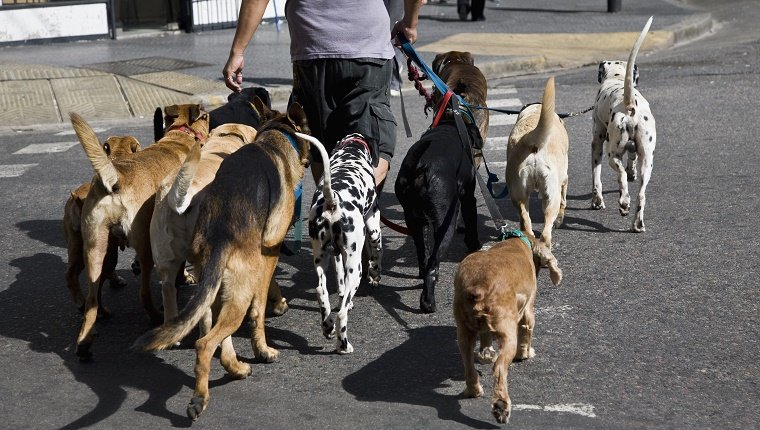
{"points": [[543, 257], [172, 111], [197, 112], [602, 67], [265, 114], [297, 117], [261, 93], [437, 62], [158, 124], [134, 145], [467, 58]]}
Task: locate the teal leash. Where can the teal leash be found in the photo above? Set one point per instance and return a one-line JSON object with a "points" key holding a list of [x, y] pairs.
{"points": [[507, 233]]}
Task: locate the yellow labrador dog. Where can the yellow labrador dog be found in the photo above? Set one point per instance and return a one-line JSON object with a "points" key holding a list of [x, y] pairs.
{"points": [[120, 203], [114, 147], [241, 225], [537, 161]]}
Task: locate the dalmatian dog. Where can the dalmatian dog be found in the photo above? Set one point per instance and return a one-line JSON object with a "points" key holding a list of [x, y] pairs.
{"points": [[622, 118], [344, 213]]}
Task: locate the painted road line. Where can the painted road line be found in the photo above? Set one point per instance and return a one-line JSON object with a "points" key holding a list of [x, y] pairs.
{"points": [[14, 170], [500, 91], [501, 119], [71, 132], [502, 103], [583, 409], [44, 148], [494, 143]]}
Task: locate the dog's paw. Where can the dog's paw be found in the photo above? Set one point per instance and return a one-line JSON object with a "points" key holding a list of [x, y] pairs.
{"points": [[277, 307], [269, 355], [597, 202], [638, 226], [473, 392], [196, 407], [136, 267], [239, 370], [83, 351], [328, 327], [344, 347], [501, 410], [427, 307], [523, 354], [632, 176], [559, 220], [486, 355]]}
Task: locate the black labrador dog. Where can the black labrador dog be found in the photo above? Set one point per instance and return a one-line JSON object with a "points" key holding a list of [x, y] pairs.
{"points": [[435, 181]]}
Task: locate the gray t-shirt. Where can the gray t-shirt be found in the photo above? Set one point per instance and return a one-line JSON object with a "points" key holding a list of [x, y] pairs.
{"points": [[338, 29]]}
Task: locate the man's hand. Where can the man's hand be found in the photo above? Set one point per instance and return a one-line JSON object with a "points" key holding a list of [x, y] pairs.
{"points": [[233, 72], [408, 25]]}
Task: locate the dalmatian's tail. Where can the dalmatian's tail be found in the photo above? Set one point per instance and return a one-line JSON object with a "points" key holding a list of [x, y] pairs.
{"points": [[628, 88], [547, 118], [330, 204], [179, 197]]}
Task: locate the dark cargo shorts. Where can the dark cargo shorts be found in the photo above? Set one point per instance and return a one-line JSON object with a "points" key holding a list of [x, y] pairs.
{"points": [[344, 96]]}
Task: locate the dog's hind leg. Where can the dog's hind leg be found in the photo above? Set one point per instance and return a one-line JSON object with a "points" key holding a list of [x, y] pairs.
{"points": [[525, 331], [258, 283], [624, 202], [74, 267], [276, 304], [96, 245], [469, 210], [597, 144], [466, 342], [353, 265], [321, 263], [441, 238], [230, 316], [551, 204], [501, 405], [145, 257], [645, 167], [562, 204]]}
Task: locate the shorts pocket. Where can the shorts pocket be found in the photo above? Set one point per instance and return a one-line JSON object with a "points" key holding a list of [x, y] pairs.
{"points": [[383, 125]]}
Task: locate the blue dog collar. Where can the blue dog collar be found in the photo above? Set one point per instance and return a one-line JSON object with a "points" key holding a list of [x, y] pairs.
{"points": [[507, 233]]}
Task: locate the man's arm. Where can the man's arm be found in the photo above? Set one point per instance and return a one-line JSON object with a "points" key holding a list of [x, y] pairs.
{"points": [[408, 25], [249, 19]]}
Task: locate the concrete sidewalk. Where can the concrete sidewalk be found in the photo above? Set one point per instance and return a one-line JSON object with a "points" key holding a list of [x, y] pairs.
{"points": [[129, 77]]}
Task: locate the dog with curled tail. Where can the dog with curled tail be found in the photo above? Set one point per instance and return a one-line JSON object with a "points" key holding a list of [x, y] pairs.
{"points": [[623, 119]]}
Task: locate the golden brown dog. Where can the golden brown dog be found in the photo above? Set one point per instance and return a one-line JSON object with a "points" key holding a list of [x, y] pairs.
{"points": [[114, 147], [241, 225], [121, 200], [537, 160], [494, 295], [457, 69]]}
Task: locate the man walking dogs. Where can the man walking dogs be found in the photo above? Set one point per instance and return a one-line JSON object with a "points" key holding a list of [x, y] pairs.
{"points": [[342, 58]]}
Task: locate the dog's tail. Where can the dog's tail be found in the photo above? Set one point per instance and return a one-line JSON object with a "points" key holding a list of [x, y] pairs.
{"points": [[330, 204], [628, 87], [173, 331], [179, 199], [103, 166], [547, 118]]}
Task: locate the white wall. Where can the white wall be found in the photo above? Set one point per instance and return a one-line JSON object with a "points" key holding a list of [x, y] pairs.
{"points": [[217, 11], [50, 22]]}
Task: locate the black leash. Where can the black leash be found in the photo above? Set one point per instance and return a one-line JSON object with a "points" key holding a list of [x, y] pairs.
{"points": [[517, 112]]}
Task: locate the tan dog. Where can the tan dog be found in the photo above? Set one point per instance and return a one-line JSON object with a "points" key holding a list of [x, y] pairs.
{"points": [[494, 295], [241, 225], [176, 211], [457, 69], [537, 161], [121, 200], [114, 147]]}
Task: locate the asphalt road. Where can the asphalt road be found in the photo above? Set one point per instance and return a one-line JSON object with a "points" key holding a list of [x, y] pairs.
{"points": [[652, 330]]}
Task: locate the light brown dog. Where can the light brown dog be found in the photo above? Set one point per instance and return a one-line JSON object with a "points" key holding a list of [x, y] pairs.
{"points": [[176, 211], [114, 147], [236, 245], [494, 295], [537, 161], [457, 69], [121, 200]]}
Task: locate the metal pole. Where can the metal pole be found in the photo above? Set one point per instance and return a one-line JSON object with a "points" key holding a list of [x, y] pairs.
{"points": [[614, 5]]}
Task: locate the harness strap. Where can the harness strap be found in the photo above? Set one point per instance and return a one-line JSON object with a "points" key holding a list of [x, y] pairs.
{"points": [[298, 226], [442, 108], [507, 233]]}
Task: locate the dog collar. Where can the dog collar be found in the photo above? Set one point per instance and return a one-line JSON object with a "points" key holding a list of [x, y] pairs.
{"points": [[355, 137], [507, 233], [294, 144], [185, 129]]}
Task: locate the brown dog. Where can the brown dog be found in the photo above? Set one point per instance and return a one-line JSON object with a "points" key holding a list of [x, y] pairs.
{"points": [[120, 203], [494, 294], [457, 69], [114, 147], [241, 225], [537, 161]]}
